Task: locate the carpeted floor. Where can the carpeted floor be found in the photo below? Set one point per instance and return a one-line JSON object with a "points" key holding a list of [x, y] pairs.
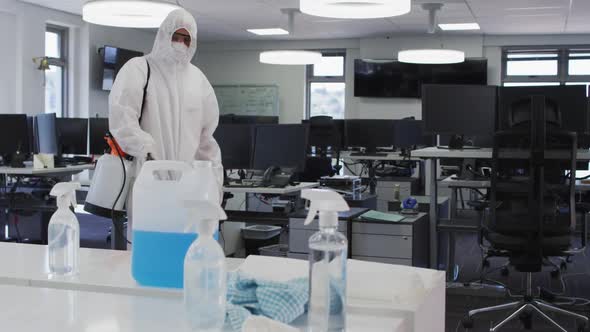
{"points": [[574, 282]]}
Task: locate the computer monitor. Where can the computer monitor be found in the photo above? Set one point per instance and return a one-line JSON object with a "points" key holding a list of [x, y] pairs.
{"points": [[280, 145], [248, 119], [97, 130], [236, 143], [410, 133], [46, 133], [72, 136], [468, 110], [571, 101], [31, 134], [369, 134], [13, 134]]}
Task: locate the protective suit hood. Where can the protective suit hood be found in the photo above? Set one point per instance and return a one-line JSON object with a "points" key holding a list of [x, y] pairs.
{"points": [[163, 50]]}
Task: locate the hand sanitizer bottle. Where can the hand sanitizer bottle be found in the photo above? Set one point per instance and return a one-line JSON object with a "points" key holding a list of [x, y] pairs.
{"points": [[205, 272], [64, 232], [327, 262]]}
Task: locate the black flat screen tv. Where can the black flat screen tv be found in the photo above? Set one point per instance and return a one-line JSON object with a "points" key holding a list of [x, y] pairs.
{"points": [[113, 59], [394, 79]]}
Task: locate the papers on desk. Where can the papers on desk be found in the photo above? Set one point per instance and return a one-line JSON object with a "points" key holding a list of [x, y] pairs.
{"points": [[381, 216]]}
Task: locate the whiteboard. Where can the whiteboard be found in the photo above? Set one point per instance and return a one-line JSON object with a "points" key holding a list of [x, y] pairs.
{"points": [[255, 100]]}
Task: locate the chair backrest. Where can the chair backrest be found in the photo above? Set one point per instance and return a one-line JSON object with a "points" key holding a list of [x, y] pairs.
{"points": [[323, 133], [532, 202]]}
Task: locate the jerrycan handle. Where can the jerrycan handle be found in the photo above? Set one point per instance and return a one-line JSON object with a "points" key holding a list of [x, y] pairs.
{"points": [[149, 167]]}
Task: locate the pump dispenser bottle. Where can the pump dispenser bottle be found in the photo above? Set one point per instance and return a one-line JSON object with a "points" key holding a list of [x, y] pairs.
{"points": [[64, 232], [327, 262]]}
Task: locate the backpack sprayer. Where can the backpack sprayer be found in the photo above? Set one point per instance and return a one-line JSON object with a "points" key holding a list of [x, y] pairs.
{"points": [[110, 183]]}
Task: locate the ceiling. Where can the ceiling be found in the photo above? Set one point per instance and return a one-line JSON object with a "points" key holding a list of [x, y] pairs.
{"points": [[229, 19]]}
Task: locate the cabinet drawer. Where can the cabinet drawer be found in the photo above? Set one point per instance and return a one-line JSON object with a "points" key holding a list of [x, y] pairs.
{"points": [[396, 261], [298, 223], [299, 240], [381, 229], [382, 246]]}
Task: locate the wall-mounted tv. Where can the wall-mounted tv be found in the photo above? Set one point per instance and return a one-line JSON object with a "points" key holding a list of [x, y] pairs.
{"points": [[394, 79], [113, 59]]}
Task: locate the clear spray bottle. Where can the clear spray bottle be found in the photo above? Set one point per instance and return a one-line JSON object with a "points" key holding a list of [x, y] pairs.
{"points": [[64, 232], [327, 262], [205, 271]]}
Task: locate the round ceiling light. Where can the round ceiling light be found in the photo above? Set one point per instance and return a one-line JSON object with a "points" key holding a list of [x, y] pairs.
{"points": [[355, 9], [431, 56], [287, 57], [127, 13]]}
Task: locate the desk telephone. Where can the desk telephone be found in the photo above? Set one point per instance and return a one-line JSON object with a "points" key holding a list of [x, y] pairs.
{"points": [[275, 176]]}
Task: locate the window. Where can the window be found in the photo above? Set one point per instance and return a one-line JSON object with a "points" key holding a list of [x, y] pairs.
{"points": [[544, 66], [55, 77], [326, 87]]}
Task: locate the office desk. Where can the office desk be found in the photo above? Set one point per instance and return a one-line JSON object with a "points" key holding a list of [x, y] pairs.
{"points": [[389, 156], [432, 154], [370, 160], [271, 191], [46, 172], [34, 205]]}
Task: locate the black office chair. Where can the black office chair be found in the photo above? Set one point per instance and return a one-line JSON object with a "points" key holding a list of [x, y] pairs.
{"points": [[324, 138], [532, 210]]}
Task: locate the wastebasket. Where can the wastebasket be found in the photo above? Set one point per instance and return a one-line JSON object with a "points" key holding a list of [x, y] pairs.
{"points": [[257, 236]]}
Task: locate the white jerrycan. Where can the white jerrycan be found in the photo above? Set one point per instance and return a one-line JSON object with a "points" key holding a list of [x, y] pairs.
{"points": [[161, 225]]}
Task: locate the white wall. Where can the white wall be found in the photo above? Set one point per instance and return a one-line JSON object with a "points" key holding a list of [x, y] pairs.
{"points": [[232, 63], [99, 36], [22, 36], [7, 61]]}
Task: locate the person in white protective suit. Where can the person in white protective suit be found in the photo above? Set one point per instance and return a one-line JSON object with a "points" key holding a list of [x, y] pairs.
{"points": [[180, 112]]}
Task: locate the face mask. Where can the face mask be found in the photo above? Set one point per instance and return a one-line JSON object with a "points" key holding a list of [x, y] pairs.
{"points": [[180, 49]]}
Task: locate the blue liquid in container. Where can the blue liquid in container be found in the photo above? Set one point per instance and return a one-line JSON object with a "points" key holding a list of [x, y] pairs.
{"points": [[158, 258]]}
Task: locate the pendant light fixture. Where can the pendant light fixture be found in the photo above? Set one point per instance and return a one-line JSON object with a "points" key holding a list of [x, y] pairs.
{"points": [[355, 9], [127, 13], [290, 57], [431, 55]]}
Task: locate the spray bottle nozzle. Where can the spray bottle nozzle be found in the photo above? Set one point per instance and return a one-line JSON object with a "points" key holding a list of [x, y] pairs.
{"points": [[322, 200], [65, 193]]}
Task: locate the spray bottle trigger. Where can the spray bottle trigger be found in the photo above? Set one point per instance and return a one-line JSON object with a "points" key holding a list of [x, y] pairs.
{"points": [[313, 211]]}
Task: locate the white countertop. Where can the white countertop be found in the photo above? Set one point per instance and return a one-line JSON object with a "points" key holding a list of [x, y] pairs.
{"points": [[105, 271], [58, 171], [27, 309], [272, 191], [104, 296], [483, 153]]}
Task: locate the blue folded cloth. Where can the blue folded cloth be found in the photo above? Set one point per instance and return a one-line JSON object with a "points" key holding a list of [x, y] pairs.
{"points": [[247, 296]]}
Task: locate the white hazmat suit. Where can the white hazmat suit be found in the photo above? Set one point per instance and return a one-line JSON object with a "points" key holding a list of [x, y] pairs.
{"points": [[180, 113]]}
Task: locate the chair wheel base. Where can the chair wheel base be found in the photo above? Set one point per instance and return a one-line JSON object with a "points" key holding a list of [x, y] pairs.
{"points": [[467, 323], [505, 271]]}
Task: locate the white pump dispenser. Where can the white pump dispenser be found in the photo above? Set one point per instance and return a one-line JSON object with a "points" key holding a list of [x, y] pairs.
{"points": [[64, 231], [205, 280], [328, 252]]}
